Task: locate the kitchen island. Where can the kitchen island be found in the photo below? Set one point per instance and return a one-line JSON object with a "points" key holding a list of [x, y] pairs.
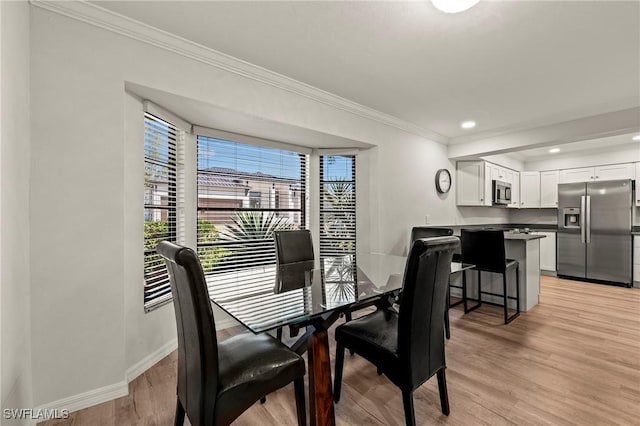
{"points": [[523, 247]]}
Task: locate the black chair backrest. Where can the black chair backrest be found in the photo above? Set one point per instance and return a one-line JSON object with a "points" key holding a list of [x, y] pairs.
{"points": [[429, 232], [197, 343], [294, 258], [484, 248], [424, 300]]}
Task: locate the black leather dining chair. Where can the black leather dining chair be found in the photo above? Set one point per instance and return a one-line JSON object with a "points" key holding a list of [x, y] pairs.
{"points": [[218, 381], [407, 346], [485, 249], [294, 260], [418, 232]]}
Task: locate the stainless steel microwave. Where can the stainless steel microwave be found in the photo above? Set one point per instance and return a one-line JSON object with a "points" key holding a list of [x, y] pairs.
{"points": [[501, 193]]}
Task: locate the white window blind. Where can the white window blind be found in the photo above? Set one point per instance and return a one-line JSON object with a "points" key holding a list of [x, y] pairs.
{"points": [[245, 193], [163, 201], [337, 205]]}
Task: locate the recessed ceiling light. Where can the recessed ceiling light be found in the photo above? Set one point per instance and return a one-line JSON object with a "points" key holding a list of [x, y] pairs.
{"points": [[468, 125], [636, 138], [454, 6], [554, 150]]}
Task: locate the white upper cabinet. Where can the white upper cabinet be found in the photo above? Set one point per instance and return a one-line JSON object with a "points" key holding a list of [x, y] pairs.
{"points": [[615, 171], [549, 188], [515, 191], [590, 174], [529, 189], [584, 174], [470, 187], [638, 186]]}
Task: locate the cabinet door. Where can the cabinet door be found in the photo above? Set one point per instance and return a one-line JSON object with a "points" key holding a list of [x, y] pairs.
{"points": [[638, 184], [548, 251], [585, 174], [549, 188], [489, 171], [471, 183], [515, 191], [529, 189], [614, 171], [494, 171]]}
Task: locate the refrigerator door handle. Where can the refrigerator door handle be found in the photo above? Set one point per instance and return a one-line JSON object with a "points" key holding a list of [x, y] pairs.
{"points": [[588, 219], [583, 211]]}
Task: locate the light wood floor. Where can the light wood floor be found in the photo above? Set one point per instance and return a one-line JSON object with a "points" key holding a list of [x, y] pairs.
{"points": [[573, 359]]}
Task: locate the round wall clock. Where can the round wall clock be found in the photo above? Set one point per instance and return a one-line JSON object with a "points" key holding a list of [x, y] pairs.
{"points": [[443, 181]]}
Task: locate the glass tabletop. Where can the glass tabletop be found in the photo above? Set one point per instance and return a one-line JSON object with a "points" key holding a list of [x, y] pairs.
{"points": [[267, 297]]}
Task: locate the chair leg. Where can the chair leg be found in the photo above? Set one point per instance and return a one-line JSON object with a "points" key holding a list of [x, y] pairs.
{"points": [[504, 297], [263, 400], [508, 319], [442, 387], [279, 333], [409, 413], [518, 289], [468, 309], [347, 316], [337, 387], [298, 386], [179, 420], [464, 291]]}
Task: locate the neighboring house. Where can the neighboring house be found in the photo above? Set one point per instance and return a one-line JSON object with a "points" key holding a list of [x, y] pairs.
{"points": [[227, 190]]}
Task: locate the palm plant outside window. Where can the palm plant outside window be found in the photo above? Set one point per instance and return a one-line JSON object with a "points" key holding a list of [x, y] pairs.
{"points": [[338, 225], [245, 193]]}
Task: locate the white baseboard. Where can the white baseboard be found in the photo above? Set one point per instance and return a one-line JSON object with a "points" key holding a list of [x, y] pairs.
{"points": [[150, 360], [89, 398], [120, 389]]}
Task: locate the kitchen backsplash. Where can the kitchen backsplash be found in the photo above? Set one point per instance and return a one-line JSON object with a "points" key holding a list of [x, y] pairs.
{"points": [[533, 216]]}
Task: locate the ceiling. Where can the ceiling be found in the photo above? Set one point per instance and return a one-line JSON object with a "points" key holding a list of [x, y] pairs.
{"points": [[594, 146], [508, 65]]}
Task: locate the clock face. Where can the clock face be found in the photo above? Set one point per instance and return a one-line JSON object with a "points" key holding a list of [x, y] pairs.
{"points": [[443, 181]]}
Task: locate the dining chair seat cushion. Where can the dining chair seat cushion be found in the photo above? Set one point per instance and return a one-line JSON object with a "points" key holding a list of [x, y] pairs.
{"points": [[250, 367], [374, 337]]}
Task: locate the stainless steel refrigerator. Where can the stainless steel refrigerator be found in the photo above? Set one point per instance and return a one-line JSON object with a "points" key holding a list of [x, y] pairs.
{"points": [[594, 231]]}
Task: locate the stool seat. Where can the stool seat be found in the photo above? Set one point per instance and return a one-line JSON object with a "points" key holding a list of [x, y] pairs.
{"points": [[485, 249]]}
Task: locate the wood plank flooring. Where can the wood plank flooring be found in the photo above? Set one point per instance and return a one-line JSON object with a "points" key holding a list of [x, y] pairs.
{"points": [[572, 360]]}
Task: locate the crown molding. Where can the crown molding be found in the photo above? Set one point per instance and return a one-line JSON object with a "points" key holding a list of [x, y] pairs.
{"points": [[111, 21]]}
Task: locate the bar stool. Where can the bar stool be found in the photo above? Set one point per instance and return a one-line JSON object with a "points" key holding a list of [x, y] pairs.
{"points": [[485, 249]]}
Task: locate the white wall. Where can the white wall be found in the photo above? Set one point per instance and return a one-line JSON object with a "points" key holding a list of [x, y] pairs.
{"points": [[16, 391], [88, 329]]}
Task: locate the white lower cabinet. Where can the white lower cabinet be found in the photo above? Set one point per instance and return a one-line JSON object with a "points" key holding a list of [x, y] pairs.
{"points": [[548, 251]]}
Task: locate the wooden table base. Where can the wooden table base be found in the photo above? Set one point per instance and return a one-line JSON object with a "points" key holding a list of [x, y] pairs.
{"points": [[320, 387]]}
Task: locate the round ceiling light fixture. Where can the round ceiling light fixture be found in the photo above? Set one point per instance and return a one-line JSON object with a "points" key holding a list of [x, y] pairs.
{"points": [[554, 150], [636, 138], [454, 6], [468, 125]]}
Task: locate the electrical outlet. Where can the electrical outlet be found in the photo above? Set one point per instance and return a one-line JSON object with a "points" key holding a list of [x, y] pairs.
{"points": [[427, 219]]}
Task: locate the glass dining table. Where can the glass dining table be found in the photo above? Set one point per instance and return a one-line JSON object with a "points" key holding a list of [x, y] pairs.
{"points": [[301, 296]]}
